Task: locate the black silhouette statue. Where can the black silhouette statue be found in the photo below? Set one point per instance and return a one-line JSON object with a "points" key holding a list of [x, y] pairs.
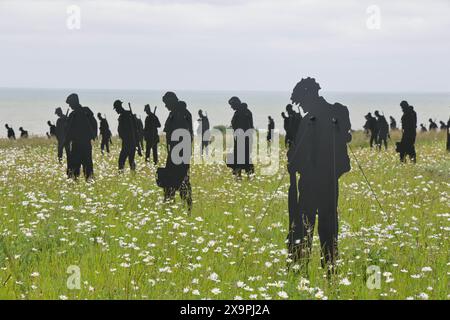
{"points": [[10, 132], [423, 129], [393, 123], [406, 146], [61, 130], [320, 156], [443, 126], [128, 133], [175, 176], [105, 132], [371, 128], [52, 129], [433, 126], [203, 131], [23, 133], [383, 130], [151, 134], [81, 130], [242, 125], [270, 128]]}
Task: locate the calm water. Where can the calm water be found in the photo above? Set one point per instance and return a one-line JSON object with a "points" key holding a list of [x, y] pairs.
{"points": [[31, 108]]}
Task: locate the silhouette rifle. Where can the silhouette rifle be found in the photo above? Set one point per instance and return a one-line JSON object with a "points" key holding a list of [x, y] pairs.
{"points": [[133, 127]]}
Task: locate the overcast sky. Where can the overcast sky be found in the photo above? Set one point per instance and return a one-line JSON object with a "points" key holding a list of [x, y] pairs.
{"points": [[226, 45]]}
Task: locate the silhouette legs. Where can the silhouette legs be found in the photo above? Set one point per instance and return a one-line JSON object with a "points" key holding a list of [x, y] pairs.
{"points": [[128, 151], [320, 199], [105, 144], [81, 155], [151, 147]]}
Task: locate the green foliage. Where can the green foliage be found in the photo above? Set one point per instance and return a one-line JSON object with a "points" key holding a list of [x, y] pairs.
{"points": [[128, 244]]}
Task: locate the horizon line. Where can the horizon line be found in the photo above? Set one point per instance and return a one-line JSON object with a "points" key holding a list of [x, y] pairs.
{"points": [[220, 90]]}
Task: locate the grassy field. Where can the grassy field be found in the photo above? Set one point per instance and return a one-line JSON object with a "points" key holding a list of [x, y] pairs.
{"points": [[127, 244]]}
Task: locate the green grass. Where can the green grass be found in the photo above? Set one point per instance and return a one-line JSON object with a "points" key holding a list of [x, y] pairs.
{"points": [[128, 244]]}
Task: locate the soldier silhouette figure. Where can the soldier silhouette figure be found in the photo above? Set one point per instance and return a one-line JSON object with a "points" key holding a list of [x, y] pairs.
{"points": [[270, 128], [151, 134], [203, 131], [393, 123], [423, 128], [61, 130], [23, 133], [175, 176], [10, 132], [81, 130], [128, 134], [52, 129], [383, 130], [406, 146], [371, 128], [443, 126], [320, 156], [242, 124], [105, 132], [433, 126]]}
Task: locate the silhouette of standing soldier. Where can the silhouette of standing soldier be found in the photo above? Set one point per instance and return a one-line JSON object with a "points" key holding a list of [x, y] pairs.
{"points": [[61, 131], [128, 134], [105, 132], [270, 128], [242, 123], [151, 134], [52, 129], [433, 126], [203, 131], [23, 133], [372, 128], [81, 130], [443, 125], [406, 146], [383, 130], [423, 129], [175, 176], [10, 132], [393, 123], [320, 156]]}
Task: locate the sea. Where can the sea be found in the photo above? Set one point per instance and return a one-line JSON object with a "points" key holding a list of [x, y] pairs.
{"points": [[32, 108]]}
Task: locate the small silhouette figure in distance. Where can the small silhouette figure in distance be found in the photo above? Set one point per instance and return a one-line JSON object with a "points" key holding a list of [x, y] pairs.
{"points": [[383, 130], [10, 132], [151, 134], [105, 132], [23, 133], [406, 146]]}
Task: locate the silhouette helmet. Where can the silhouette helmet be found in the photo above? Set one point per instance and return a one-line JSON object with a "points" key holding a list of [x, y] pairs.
{"points": [[117, 104], [73, 99], [303, 88], [234, 101], [169, 96]]}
